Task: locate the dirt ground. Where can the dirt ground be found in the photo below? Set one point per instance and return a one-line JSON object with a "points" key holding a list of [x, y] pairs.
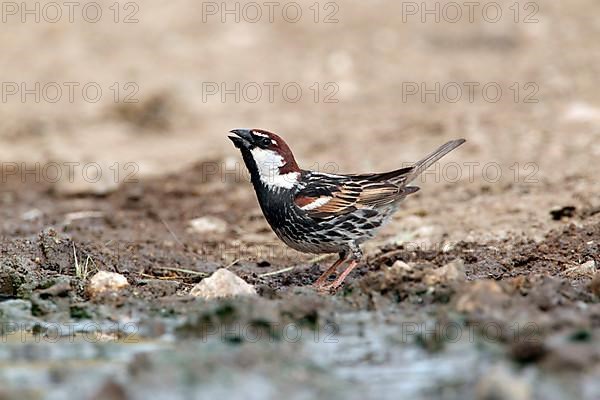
{"points": [[484, 285]]}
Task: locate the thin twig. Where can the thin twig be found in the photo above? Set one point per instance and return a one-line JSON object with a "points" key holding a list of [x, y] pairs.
{"points": [[76, 262], [171, 232], [319, 258], [281, 271], [388, 255], [162, 278], [183, 270]]}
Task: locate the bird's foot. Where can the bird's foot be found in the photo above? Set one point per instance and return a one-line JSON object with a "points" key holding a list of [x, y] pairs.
{"points": [[335, 285], [326, 288]]}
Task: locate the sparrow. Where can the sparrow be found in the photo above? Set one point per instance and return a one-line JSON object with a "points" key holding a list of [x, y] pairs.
{"points": [[316, 212]]}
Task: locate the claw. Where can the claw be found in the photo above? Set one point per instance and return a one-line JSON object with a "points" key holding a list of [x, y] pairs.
{"points": [[326, 289]]}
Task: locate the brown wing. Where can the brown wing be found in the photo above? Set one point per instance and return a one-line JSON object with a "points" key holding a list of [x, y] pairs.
{"points": [[326, 196]]}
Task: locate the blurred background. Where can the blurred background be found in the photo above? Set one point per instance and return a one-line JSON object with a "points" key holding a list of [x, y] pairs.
{"points": [[145, 92], [175, 76]]}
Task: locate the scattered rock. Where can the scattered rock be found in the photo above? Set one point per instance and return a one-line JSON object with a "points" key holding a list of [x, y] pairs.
{"points": [[208, 225], [393, 275], [587, 269], [105, 281], [74, 216], [32, 214], [502, 384], [401, 266], [485, 296], [223, 283], [581, 112], [448, 247], [454, 271]]}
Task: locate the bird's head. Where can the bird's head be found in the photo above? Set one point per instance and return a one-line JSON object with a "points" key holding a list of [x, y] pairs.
{"points": [[267, 156]]}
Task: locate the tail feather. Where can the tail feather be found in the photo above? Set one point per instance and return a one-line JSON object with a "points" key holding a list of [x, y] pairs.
{"points": [[428, 161]]}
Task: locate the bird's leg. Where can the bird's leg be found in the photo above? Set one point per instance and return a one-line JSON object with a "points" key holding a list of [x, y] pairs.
{"points": [[319, 282], [339, 280], [356, 256]]}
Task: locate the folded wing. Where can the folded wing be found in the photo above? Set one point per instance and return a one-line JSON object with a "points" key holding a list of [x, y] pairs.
{"points": [[326, 196]]}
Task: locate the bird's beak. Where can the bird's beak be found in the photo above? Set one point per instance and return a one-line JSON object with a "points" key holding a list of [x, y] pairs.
{"points": [[243, 139]]}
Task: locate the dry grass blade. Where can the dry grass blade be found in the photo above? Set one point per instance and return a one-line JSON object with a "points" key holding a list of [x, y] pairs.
{"points": [[281, 271], [319, 258], [183, 270]]}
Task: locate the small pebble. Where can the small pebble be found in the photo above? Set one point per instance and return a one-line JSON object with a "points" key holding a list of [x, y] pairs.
{"points": [[105, 281], [208, 225], [223, 283]]}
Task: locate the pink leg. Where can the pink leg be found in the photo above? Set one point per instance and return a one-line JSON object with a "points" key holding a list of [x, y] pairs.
{"points": [[319, 282], [343, 276]]}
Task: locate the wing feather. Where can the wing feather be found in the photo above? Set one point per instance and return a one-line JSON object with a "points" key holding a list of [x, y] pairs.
{"points": [[326, 196]]}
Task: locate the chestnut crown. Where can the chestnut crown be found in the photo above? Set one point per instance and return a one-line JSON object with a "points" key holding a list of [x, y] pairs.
{"points": [[253, 139]]}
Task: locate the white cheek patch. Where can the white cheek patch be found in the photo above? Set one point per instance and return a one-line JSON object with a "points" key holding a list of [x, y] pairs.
{"points": [[286, 181], [316, 203], [268, 163]]}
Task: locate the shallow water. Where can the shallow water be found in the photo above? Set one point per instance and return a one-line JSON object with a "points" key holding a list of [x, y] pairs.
{"points": [[366, 357]]}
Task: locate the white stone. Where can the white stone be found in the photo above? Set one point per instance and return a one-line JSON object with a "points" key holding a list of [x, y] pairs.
{"points": [[587, 269], [223, 283], [401, 266], [208, 225], [582, 112], [105, 281], [32, 214]]}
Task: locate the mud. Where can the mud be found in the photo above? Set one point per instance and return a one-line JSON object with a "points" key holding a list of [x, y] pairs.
{"points": [[527, 300]]}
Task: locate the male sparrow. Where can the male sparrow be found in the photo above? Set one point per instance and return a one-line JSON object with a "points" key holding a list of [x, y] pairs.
{"points": [[315, 212]]}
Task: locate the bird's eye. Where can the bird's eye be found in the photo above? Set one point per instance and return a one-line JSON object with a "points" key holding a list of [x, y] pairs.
{"points": [[265, 142]]}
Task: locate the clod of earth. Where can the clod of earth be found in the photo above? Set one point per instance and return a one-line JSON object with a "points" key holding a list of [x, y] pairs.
{"points": [[223, 283], [18, 277], [484, 296], [594, 285], [452, 272]]}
